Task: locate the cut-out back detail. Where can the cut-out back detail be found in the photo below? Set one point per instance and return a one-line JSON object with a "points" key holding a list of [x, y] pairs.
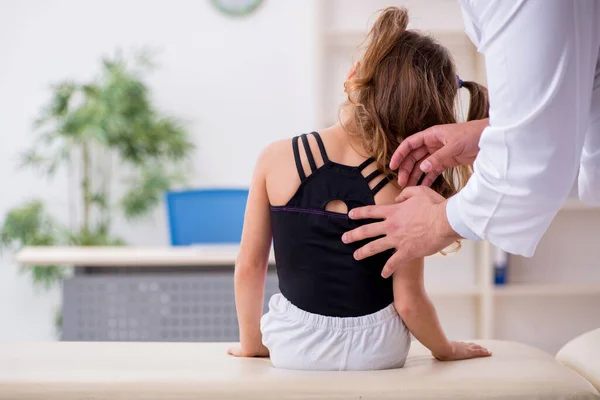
{"points": [[326, 161], [337, 206], [317, 271], [372, 175], [297, 158], [311, 159], [366, 163], [388, 178]]}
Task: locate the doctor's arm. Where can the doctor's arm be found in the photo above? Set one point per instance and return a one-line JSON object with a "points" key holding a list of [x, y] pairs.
{"points": [[530, 152]]}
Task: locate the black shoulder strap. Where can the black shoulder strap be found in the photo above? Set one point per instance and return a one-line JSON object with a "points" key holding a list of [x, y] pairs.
{"points": [[297, 158], [311, 159], [321, 147], [372, 175], [387, 179], [365, 163]]}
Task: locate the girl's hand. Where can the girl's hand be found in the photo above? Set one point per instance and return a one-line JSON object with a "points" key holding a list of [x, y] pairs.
{"points": [[464, 351], [257, 351]]}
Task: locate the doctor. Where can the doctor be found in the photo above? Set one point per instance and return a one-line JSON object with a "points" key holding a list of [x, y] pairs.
{"points": [[543, 70]]}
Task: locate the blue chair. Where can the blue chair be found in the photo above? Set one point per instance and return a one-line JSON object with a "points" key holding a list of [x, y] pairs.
{"points": [[210, 216]]}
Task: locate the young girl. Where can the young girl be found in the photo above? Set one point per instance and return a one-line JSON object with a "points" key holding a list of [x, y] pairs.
{"points": [[334, 312]]}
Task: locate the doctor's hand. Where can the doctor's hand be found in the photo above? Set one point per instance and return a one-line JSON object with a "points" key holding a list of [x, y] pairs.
{"points": [[416, 226], [436, 149]]}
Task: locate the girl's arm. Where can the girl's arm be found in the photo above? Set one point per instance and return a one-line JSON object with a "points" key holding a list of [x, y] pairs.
{"points": [[419, 315], [251, 266]]}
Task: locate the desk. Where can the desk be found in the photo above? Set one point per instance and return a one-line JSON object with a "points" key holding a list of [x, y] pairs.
{"points": [[176, 293], [147, 293], [135, 256]]}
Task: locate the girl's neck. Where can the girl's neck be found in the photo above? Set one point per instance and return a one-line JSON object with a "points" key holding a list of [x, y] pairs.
{"points": [[343, 130]]}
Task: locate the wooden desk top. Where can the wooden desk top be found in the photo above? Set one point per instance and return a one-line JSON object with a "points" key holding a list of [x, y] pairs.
{"points": [[134, 256]]}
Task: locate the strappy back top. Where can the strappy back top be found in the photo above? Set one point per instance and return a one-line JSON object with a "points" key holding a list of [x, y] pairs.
{"points": [[317, 271]]}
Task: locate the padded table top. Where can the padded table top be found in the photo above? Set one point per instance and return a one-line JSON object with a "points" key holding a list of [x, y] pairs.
{"points": [[173, 371]]}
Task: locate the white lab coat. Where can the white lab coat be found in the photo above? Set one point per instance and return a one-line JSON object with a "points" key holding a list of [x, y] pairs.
{"points": [[542, 60]]}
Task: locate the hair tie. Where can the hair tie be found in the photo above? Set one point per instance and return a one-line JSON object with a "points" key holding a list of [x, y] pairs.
{"points": [[460, 82]]}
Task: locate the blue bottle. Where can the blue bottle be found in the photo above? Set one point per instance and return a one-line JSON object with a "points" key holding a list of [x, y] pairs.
{"points": [[500, 266]]}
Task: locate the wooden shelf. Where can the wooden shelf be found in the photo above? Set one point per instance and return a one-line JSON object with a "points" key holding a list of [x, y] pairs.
{"points": [[547, 289]]}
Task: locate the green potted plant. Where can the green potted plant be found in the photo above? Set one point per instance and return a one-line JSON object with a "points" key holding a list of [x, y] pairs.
{"points": [[92, 130]]}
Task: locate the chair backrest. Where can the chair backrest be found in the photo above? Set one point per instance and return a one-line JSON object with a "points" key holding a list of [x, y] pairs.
{"points": [[208, 216]]}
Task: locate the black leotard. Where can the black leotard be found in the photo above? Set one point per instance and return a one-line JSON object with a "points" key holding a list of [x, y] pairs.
{"points": [[316, 270]]}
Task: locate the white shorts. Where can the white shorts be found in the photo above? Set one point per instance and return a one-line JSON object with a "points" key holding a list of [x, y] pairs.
{"points": [[298, 339]]}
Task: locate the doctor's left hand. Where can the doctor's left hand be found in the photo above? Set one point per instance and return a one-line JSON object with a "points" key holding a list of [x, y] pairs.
{"points": [[416, 226]]}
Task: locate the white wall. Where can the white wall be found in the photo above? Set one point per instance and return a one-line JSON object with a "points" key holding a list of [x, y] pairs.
{"points": [[241, 83], [429, 15]]}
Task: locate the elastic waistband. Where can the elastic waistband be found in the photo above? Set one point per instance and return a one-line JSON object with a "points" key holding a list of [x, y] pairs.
{"points": [[279, 303]]}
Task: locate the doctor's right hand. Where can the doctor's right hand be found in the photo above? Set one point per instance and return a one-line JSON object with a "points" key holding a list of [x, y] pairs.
{"points": [[436, 149]]}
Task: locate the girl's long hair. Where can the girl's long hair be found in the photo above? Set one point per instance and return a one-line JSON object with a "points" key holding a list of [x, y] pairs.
{"points": [[406, 82]]}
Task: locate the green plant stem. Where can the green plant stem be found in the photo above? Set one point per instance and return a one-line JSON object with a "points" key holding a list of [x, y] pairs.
{"points": [[105, 210], [85, 186]]}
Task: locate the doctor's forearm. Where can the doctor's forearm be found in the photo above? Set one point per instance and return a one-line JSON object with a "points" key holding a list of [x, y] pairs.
{"points": [[529, 155]]}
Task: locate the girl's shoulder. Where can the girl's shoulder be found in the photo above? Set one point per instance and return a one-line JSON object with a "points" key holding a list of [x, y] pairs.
{"points": [[274, 153]]}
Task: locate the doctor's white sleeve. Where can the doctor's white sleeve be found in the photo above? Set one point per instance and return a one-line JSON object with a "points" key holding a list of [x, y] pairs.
{"points": [[589, 171], [540, 63]]}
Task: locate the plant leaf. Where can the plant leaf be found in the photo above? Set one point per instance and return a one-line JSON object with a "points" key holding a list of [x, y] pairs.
{"points": [[28, 225], [146, 191]]}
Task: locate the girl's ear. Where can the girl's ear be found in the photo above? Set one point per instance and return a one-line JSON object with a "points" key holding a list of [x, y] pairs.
{"points": [[353, 71]]}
